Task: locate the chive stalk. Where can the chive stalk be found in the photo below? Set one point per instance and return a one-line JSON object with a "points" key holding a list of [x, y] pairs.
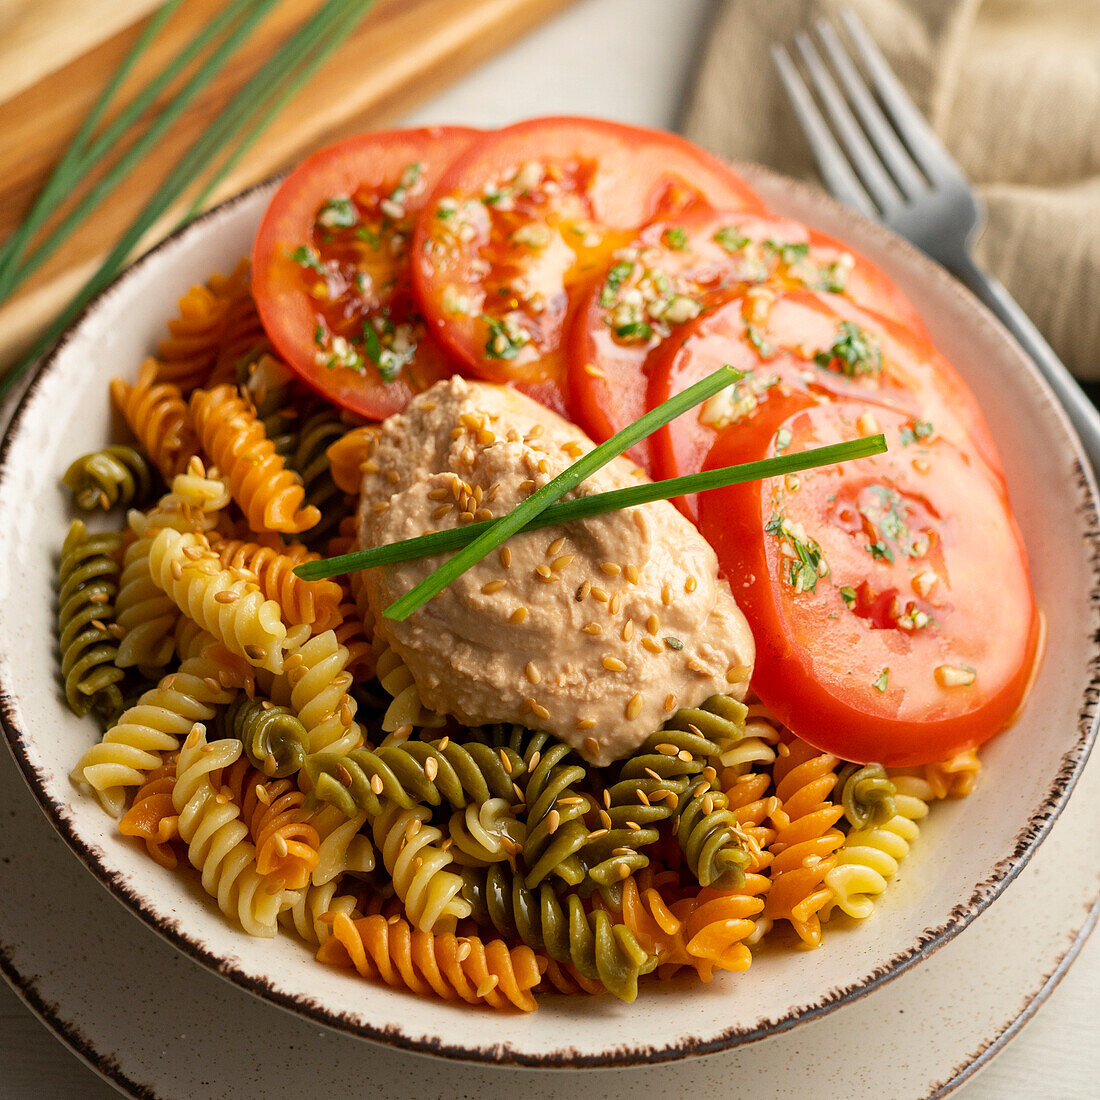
{"points": [[567, 511], [568, 479]]}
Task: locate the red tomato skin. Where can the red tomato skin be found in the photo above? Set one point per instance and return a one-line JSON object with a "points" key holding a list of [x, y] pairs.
{"points": [[916, 379], [620, 165], [849, 717], [371, 161]]}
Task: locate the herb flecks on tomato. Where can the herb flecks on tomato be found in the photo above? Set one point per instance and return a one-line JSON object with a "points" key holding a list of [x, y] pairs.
{"points": [[331, 268], [879, 635]]}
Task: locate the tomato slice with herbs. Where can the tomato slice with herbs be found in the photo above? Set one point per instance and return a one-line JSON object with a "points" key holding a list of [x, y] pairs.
{"points": [[675, 270], [330, 268], [889, 597], [816, 344], [525, 221]]}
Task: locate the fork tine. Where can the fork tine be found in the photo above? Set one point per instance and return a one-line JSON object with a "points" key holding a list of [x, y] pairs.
{"points": [[900, 165], [922, 141], [866, 162], [831, 162]]}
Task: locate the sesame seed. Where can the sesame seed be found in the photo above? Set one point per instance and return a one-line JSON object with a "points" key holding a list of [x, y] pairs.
{"points": [[176, 570], [585, 724], [431, 769], [485, 437], [376, 784], [518, 793], [443, 743], [653, 624], [505, 763], [441, 511], [690, 584], [535, 431], [592, 369], [518, 615], [466, 517], [463, 952], [99, 597], [99, 624], [628, 630], [708, 804], [606, 798], [553, 820], [533, 763], [631, 572], [643, 798], [543, 466], [228, 596], [560, 562], [684, 755], [634, 707], [605, 819], [592, 628], [624, 871], [192, 552], [571, 800], [651, 645], [597, 833], [591, 745], [601, 595], [255, 652], [533, 674], [544, 573], [613, 664], [610, 568], [665, 749], [505, 557], [633, 826], [487, 986], [615, 605], [666, 595], [492, 587], [555, 548], [526, 486], [438, 494], [195, 467], [540, 711], [483, 514]]}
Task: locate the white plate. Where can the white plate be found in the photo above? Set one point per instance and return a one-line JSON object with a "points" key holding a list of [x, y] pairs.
{"points": [[968, 851]]}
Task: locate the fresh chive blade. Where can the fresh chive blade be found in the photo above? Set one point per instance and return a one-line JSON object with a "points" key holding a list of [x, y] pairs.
{"points": [[198, 156], [324, 49], [568, 479], [78, 154], [254, 13], [569, 510]]}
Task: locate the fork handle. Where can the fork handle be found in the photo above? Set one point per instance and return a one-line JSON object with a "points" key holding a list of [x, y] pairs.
{"points": [[1082, 412]]}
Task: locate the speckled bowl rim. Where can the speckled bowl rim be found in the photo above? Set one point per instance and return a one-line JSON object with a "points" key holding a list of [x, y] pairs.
{"points": [[1002, 872]]}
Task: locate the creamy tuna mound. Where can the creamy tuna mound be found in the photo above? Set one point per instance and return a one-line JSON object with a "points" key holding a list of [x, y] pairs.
{"points": [[595, 631]]}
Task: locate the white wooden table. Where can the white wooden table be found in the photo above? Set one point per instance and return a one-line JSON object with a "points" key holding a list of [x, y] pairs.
{"points": [[631, 60]]}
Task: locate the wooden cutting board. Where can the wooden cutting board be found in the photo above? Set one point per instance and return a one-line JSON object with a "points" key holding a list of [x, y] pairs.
{"points": [[62, 54]]}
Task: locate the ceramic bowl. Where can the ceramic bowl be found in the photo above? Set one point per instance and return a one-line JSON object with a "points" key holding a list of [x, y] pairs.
{"points": [[968, 850]]}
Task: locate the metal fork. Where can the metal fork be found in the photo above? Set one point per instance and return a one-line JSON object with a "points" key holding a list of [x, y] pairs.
{"points": [[889, 165]]}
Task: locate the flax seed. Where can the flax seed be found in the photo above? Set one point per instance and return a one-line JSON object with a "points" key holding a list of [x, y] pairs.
{"points": [[438, 494], [441, 511], [177, 570], [666, 595], [463, 952], [782, 749], [255, 652], [592, 628], [615, 605], [582, 591], [540, 711], [376, 783], [505, 557], [651, 645], [631, 572], [690, 584], [624, 871], [605, 819], [228, 596], [597, 833], [483, 514], [431, 769]]}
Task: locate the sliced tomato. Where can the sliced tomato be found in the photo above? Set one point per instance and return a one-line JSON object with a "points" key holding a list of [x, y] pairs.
{"points": [[816, 344], [675, 270], [522, 224], [889, 597], [330, 268]]}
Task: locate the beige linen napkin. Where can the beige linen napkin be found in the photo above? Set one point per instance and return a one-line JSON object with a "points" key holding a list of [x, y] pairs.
{"points": [[1013, 88]]}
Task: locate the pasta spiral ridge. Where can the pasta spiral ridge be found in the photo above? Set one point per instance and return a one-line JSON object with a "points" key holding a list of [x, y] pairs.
{"points": [[486, 833], [217, 839], [413, 772], [138, 740], [311, 462], [600, 949], [87, 585], [453, 968], [274, 738], [805, 840], [235, 612], [867, 795], [315, 685], [116, 474], [347, 455], [268, 493], [153, 817], [406, 708], [159, 417], [869, 857], [313, 602], [418, 867]]}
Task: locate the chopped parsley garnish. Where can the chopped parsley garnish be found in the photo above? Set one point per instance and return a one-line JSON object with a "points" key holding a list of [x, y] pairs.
{"points": [[782, 440], [788, 253], [635, 330], [809, 562], [618, 274], [759, 340], [833, 277], [883, 680], [731, 238], [848, 595], [921, 429], [338, 212], [676, 238], [854, 352], [505, 339], [880, 551], [369, 235], [888, 515], [390, 360], [304, 256], [674, 643], [319, 335]]}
